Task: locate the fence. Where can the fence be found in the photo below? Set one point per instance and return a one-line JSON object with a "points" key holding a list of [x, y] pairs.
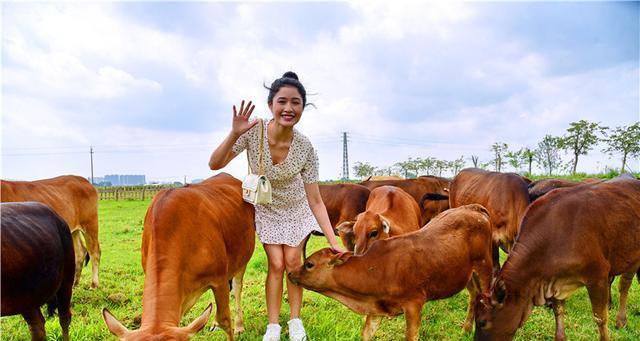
{"points": [[130, 192]]}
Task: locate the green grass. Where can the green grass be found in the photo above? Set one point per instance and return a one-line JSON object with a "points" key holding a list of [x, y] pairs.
{"points": [[121, 282]]}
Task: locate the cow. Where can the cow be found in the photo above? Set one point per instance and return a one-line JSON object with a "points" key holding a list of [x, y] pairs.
{"points": [[344, 202], [569, 238], [390, 211], [400, 274], [505, 197], [75, 200], [37, 265], [195, 238], [418, 188], [541, 187]]}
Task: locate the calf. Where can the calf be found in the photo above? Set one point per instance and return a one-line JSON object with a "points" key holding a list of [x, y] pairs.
{"points": [[344, 202], [195, 238], [417, 189], [37, 265], [398, 275], [390, 212], [75, 200], [505, 197], [569, 238]]}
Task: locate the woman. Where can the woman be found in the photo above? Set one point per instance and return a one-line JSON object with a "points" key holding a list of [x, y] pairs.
{"points": [[291, 165]]}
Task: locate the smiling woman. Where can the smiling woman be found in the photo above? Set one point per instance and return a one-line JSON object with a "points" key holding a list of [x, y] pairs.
{"points": [[297, 208]]}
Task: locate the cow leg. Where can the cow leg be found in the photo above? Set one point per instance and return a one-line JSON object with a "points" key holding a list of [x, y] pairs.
{"points": [[79, 250], [93, 246], [35, 320], [558, 312], [625, 283], [371, 324], [599, 296], [495, 258], [223, 312], [412, 317], [237, 294], [467, 325]]}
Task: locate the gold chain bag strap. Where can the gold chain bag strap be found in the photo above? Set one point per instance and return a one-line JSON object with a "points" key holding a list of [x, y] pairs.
{"points": [[256, 188]]}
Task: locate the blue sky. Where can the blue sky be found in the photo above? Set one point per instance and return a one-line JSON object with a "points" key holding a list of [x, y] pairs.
{"points": [[151, 85]]}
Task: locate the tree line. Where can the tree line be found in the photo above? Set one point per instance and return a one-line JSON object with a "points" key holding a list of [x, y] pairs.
{"points": [[579, 139]]}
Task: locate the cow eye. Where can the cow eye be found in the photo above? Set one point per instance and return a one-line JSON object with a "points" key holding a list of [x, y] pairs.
{"points": [[373, 234], [308, 265]]}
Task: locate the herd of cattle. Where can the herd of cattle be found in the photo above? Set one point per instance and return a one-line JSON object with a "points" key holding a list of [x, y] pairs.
{"points": [[405, 237]]}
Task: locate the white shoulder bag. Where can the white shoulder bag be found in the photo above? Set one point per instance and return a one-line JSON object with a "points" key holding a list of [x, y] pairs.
{"points": [[256, 188]]}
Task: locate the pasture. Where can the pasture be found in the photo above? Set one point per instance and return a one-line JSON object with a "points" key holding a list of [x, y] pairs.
{"points": [[121, 284]]}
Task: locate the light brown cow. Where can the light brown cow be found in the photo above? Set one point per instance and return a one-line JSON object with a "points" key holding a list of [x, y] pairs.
{"points": [[195, 238], [418, 188], [344, 202], [398, 275], [75, 200], [390, 212], [505, 197], [569, 238]]}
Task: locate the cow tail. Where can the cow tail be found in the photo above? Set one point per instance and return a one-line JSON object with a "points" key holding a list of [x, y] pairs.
{"points": [[52, 306]]}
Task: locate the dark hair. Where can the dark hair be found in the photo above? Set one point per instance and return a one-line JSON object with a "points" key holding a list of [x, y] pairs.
{"points": [[288, 78]]}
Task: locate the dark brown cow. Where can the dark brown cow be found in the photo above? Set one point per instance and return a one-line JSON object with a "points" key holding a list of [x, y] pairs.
{"points": [[195, 238], [569, 238], [504, 195], [390, 212], [418, 188], [344, 202], [76, 201], [37, 265], [541, 187], [398, 275]]}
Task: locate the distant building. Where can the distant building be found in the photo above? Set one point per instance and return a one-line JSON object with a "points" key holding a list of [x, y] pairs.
{"points": [[125, 180]]}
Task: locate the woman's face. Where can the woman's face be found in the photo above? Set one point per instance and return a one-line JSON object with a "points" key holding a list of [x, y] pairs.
{"points": [[286, 106]]}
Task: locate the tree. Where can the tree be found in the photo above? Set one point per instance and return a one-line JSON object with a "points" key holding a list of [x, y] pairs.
{"points": [[404, 168], [363, 170], [514, 159], [527, 156], [547, 154], [625, 141], [440, 166], [428, 165], [580, 139], [474, 159], [499, 148], [457, 165]]}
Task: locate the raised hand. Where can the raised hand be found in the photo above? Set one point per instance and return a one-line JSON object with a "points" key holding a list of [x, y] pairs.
{"points": [[241, 118]]}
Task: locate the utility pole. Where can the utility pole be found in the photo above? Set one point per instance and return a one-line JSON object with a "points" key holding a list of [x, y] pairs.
{"points": [[345, 157], [185, 180], [91, 153]]}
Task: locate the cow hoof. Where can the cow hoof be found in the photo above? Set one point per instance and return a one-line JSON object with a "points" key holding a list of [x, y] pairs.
{"points": [[621, 322], [214, 328], [467, 327], [238, 330], [94, 285]]}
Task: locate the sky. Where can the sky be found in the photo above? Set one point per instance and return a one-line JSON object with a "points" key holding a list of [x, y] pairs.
{"points": [[149, 86]]}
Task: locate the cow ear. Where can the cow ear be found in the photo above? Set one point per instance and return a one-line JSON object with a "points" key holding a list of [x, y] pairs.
{"points": [[340, 258], [386, 226], [499, 292], [345, 227], [199, 322], [115, 327]]}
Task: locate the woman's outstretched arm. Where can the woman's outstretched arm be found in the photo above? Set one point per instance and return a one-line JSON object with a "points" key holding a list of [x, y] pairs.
{"points": [[222, 155]]}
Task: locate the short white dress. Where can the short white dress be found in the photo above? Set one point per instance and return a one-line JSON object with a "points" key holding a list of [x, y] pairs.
{"points": [[288, 219]]}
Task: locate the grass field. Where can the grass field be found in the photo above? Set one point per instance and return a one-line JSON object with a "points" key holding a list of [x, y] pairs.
{"points": [[121, 283]]}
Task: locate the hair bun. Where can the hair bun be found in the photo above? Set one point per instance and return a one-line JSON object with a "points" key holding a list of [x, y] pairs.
{"points": [[290, 74]]}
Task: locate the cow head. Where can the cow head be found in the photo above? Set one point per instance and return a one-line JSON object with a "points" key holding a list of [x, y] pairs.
{"points": [[165, 333], [498, 314], [345, 231], [368, 228], [316, 272]]}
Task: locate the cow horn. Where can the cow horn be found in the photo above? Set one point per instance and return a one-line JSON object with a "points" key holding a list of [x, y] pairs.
{"points": [[115, 327]]}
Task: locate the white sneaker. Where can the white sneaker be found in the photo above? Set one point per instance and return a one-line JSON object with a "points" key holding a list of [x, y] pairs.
{"points": [[272, 333], [296, 330]]}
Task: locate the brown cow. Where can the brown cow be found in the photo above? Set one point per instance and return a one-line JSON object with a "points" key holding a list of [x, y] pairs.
{"points": [[76, 201], [505, 197], [418, 188], [390, 212], [569, 238], [37, 265], [398, 275], [344, 202], [541, 187], [195, 238]]}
